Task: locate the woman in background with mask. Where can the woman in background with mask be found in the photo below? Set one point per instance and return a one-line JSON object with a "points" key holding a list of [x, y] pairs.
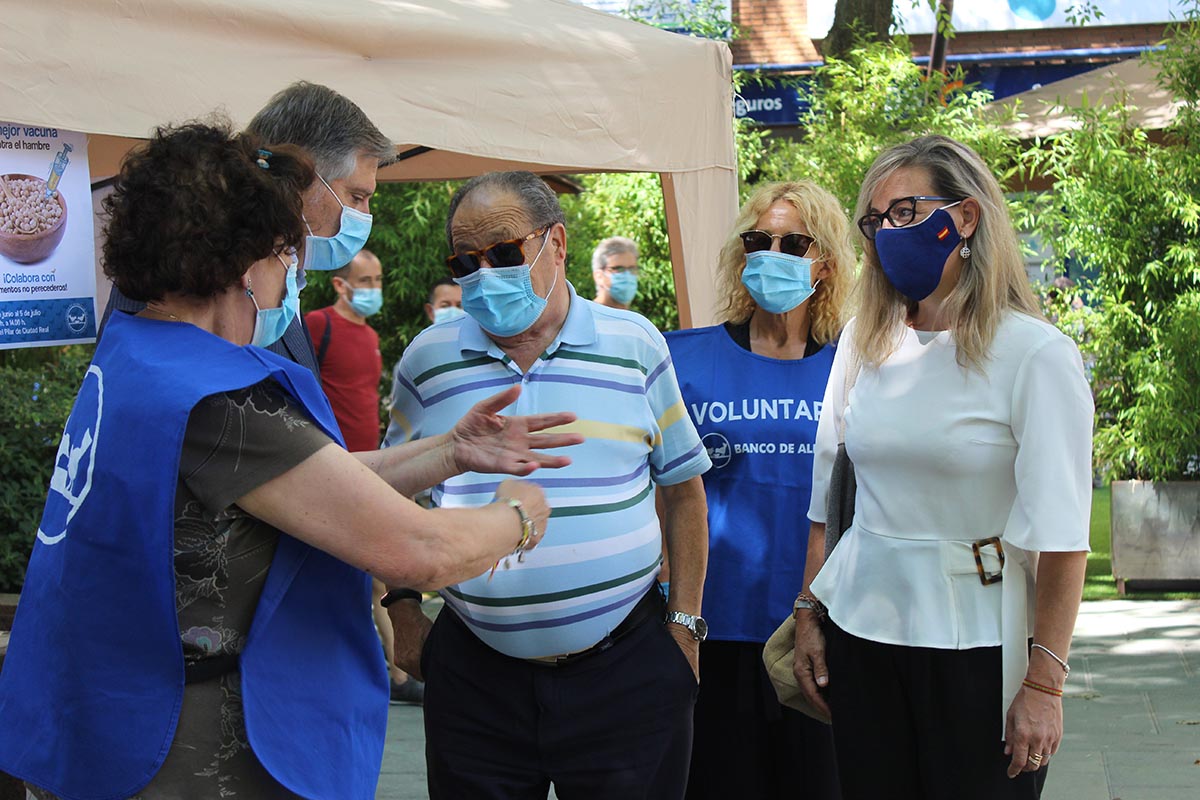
{"points": [[753, 386], [968, 422], [193, 616]]}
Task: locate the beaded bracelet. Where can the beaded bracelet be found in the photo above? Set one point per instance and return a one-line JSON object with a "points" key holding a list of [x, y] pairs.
{"points": [[1037, 687], [806, 600]]}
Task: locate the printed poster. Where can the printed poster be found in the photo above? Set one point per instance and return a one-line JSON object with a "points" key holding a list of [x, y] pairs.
{"points": [[47, 245]]}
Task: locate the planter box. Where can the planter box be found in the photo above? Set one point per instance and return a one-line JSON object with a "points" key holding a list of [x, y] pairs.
{"points": [[1155, 531], [8, 608]]}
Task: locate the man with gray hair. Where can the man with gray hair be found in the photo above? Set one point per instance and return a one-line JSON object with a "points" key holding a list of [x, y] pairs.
{"points": [[615, 271], [565, 666], [348, 151]]}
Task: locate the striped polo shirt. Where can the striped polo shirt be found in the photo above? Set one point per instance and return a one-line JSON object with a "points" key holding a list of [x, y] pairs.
{"points": [[602, 548]]}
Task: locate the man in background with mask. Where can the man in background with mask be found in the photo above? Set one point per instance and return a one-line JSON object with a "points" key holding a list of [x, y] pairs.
{"points": [[348, 349], [445, 301], [564, 666], [615, 271], [348, 151]]}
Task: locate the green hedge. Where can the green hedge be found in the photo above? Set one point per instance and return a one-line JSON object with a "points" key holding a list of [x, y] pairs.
{"points": [[37, 389]]}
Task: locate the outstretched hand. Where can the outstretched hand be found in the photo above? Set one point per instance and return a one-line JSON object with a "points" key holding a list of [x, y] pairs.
{"points": [[486, 441]]}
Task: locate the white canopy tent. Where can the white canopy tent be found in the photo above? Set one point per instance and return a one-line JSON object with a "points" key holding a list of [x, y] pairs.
{"points": [[462, 87]]}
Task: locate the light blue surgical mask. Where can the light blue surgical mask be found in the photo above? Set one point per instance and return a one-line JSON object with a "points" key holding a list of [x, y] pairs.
{"points": [[502, 300], [447, 313], [778, 282], [622, 286], [366, 302], [270, 323], [335, 252]]}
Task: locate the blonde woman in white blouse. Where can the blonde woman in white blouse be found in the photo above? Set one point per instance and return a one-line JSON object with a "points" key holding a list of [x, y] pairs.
{"points": [[952, 598]]}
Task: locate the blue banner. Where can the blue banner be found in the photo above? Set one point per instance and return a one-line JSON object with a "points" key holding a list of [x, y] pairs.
{"points": [[768, 105], [66, 320]]}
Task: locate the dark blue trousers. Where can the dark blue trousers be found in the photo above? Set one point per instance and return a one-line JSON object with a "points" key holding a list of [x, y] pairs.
{"points": [[614, 724], [745, 744], [918, 723]]}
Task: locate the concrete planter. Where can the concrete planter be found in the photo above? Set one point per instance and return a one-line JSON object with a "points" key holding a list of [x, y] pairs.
{"points": [[1155, 531]]}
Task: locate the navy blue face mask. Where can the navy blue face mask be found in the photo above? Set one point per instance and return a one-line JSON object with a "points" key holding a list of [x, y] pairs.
{"points": [[914, 256]]}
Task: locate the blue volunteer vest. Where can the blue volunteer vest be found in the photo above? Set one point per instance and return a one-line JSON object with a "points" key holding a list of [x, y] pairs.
{"points": [[92, 684], [758, 418]]}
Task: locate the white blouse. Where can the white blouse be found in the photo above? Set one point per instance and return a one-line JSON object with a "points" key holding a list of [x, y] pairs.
{"points": [[945, 456]]}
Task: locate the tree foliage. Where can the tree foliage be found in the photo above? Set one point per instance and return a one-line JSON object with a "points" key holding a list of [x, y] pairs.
{"points": [[872, 99], [408, 235], [37, 390], [1129, 205]]}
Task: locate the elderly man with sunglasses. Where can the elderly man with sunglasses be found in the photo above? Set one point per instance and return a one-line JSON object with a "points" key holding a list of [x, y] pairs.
{"points": [[565, 665]]}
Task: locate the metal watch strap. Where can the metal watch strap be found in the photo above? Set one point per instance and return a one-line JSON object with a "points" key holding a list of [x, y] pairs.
{"points": [[692, 622]]}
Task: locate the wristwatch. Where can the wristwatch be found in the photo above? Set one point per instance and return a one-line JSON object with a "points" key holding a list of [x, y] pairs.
{"points": [[693, 623]]}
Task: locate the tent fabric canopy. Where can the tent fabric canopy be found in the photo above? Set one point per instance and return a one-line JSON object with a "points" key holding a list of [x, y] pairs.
{"points": [[546, 85], [1133, 81]]}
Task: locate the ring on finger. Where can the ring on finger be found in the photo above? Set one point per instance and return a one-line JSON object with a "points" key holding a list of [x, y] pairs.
{"points": [[1035, 759]]}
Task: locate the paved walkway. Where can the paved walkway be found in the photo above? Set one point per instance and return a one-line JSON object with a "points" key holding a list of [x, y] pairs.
{"points": [[1133, 708], [1132, 711]]}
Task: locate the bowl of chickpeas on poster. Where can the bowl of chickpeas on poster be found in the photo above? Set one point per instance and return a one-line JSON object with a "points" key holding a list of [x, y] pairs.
{"points": [[47, 237]]}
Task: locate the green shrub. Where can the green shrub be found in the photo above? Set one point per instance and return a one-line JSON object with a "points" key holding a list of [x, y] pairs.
{"points": [[37, 390], [1128, 204]]}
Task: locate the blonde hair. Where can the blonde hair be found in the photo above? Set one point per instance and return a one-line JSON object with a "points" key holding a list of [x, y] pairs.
{"points": [[830, 229], [993, 280]]}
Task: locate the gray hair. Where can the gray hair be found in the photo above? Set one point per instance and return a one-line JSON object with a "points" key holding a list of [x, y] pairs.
{"points": [[538, 200], [333, 130], [612, 246]]}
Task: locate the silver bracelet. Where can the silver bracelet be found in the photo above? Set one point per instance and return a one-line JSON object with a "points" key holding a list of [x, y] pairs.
{"points": [[1066, 667]]}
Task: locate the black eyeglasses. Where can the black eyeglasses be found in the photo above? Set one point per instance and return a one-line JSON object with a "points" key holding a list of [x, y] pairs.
{"points": [[508, 253], [900, 213], [794, 244]]}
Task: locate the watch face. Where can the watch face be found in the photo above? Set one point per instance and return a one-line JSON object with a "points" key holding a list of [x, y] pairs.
{"points": [[701, 629]]}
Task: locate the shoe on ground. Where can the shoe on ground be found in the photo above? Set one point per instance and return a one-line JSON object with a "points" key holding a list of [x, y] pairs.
{"points": [[411, 691]]}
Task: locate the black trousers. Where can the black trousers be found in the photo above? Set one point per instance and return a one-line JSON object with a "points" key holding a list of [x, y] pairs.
{"points": [[918, 723], [615, 724], [747, 746]]}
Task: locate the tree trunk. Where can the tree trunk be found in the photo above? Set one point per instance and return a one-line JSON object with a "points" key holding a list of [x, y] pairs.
{"points": [[867, 16], [937, 50]]}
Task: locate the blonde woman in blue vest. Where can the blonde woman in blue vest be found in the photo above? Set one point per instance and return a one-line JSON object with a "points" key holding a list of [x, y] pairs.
{"points": [[952, 597], [753, 386], [192, 622]]}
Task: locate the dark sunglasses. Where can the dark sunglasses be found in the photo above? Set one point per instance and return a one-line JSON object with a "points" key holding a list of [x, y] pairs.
{"points": [[508, 253], [794, 244]]}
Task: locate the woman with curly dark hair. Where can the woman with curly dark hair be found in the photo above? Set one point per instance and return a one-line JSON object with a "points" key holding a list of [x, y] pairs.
{"points": [[193, 621]]}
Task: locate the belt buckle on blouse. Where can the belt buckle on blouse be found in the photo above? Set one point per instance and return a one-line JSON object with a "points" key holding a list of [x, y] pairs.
{"points": [[985, 577]]}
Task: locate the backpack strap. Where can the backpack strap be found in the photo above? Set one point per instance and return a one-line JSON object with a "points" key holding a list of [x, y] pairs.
{"points": [[324, 346]]}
